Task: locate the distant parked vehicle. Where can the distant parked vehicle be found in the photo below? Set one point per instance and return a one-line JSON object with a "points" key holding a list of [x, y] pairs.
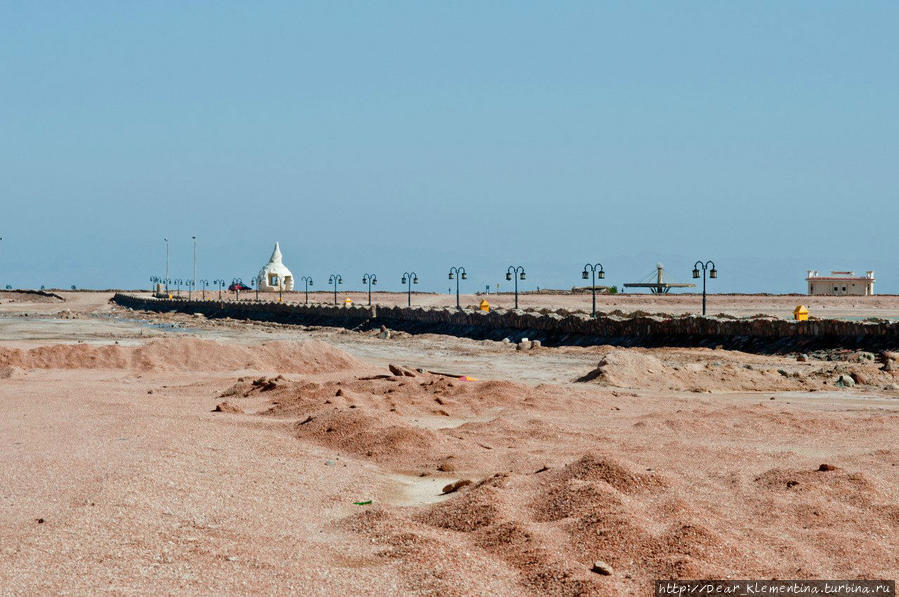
{"points": [[239, 286]]}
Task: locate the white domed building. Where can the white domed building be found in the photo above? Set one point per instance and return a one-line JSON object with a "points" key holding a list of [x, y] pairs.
{"points": [[275, 276]]}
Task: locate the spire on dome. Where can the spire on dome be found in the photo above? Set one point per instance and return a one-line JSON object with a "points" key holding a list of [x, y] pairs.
{"points": [[276, 254]]}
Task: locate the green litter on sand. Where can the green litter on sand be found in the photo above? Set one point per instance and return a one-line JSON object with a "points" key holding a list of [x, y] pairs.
{"points": [[365, 503]]}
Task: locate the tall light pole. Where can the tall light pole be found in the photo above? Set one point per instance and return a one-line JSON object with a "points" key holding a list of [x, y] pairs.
{"points": [[410, 278], [308, 281], [455, 273], [335, 279], [195, 258], [369, 279], [518, 274], [713, 273], [166, 265], [597, 270]]}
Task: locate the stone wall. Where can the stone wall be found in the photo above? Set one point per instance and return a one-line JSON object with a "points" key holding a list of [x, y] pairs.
{"points": [[756, 335]]}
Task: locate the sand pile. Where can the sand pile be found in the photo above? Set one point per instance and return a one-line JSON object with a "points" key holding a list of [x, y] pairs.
{"points": [[185, 354], [698, 371]]}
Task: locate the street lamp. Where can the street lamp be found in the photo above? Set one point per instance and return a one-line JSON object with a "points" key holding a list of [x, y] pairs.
{"points": [[166, 265], [190, 288], [518, 274], [713, 273], [308, 281], [237, 282], [204, 283], [154, 280], [597, 271], [455, 273], [195, 258], [369, 279], [410, 278], [221, 285], [178, 283], [335, 279]]}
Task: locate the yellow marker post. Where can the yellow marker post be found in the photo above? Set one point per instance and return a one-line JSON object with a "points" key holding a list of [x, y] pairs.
{"points": [[348, 302], [485, 306], [800, 313]]}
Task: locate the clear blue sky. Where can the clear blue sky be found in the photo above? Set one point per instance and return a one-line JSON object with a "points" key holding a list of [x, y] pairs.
{"points": [[384, 136]]}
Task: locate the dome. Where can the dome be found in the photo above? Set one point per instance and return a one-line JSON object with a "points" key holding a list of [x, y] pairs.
{"points": [[274, 275]]}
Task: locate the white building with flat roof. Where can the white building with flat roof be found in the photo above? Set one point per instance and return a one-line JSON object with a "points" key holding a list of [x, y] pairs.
{"points": [[840, 283]]}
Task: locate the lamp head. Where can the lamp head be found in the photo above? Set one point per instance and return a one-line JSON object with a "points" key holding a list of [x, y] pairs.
{"points": [[521, 276], [508, 275], [713, 273], [415, 280], [451, 276], [464, 276], [601, 274], [404, 280], [695, 272], [585, 275]]}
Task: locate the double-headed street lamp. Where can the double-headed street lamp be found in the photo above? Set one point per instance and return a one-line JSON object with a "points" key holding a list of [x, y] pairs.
{"points": [[713, 273], [598, 271], [154, 280], [178, 283], [457, 273], [308, 281], [204, 284], [221, 284], [190, 288], [335, 279], [237, 283], [369, 279], [409, 278], [518, 274]]}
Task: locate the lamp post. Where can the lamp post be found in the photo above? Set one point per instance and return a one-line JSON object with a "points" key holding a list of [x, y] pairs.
{"points": [[195, 258], [409, 278], [713, 273], [237, 282], [190, 288], [335, 279], [204, 284], [308, 281], [221, 284], [166, 265], [178, 283], [597, 270], [455, 273], [369, 279], [154, 280], [518, 274]]}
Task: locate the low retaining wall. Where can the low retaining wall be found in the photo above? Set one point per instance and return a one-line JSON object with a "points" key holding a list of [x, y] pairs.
{"points": [[757, 335]]}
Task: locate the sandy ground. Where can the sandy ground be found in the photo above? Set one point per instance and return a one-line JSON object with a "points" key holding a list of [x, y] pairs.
{"points": [[148, 454]]}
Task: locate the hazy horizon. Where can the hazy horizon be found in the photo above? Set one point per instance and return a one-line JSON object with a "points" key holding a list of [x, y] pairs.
{"points": [[418, 136]]}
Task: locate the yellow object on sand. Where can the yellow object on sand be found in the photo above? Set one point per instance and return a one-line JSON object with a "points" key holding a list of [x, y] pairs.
{"points": [[467, 378], [347, 301], [485, 306], [800, 313]]}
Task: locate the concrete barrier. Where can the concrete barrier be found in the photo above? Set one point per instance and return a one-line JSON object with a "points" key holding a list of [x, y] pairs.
{"points": [[554, 328]]}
